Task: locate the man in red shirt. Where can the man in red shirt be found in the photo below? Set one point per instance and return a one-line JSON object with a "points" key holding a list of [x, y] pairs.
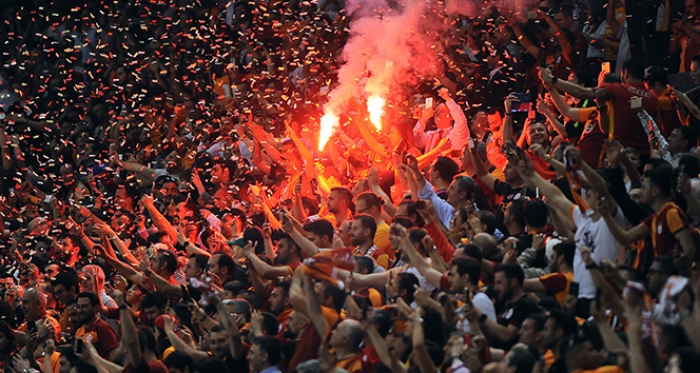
{"points": [[623, 124], [93, 329], [288, 259], [668, 226]]}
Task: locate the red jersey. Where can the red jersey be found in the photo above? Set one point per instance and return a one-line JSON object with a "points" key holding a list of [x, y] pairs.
{"points": [[663, 227], [591, 142], [624, 123]]}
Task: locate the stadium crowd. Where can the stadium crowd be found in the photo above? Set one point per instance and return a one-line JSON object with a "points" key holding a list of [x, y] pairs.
{"points": [[165, 206]]}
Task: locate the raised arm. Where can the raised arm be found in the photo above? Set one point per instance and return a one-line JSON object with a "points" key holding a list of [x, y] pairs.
{"points": [[265, 270], [416, 260], [307, 247], [527, 44], [480, 168], [460, 131], [159, 220], [314, 308], [568, 87], [129, 333], [555, 196]]}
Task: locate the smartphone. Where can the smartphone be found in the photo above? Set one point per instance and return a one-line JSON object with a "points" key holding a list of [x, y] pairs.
{"points": [[79, 346], [605, 67], [467, 295], [573, 288], [597, 298], [428, 102], [523, 105]]}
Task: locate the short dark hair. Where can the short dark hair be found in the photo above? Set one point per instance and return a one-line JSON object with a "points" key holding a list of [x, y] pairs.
{"points": [[225, 260], [516, 209], [270, 325], [564, 321], [411, 210], [689, 134], [446, 168], [254, 235], [567, 249], [364, 262], [169, 258], [656, 74], [179, 360], [540, 319], [67, 279], [635, 68], [92, 297], [690, 162], [512, 271], [156, 299], [473, 252], [279, 236], [285, 285], [407, 282], [367, 222], [469, 267], [345, 194], [271, 346], [467, 185], [489, 219], [201, 261], [522, 359], [661, 177], [535, 213], [321, 228], [338, 295]]}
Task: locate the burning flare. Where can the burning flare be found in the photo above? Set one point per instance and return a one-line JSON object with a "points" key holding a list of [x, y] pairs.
{"points": [[328, 123], [375, 107]]}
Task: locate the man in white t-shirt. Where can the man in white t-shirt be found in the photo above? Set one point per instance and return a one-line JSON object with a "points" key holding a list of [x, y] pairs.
{"points": [[591, 229]]}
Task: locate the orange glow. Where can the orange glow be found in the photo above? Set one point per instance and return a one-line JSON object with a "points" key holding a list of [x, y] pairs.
{"points": [[375, 107], [328, 123]]}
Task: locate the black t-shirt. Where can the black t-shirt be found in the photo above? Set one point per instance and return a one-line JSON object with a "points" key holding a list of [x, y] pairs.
{"points": [[509, 193], [514, 313]]}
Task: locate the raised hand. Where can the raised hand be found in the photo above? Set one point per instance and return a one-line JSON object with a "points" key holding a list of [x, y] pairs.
{"points": [[546, 74], [538, 241]]}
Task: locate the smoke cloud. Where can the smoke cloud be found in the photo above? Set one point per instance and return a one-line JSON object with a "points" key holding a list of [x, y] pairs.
{"points": [[388, 49]]}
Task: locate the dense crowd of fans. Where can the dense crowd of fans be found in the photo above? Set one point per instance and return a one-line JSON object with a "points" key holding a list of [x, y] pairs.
{"points": [[165, 206]]}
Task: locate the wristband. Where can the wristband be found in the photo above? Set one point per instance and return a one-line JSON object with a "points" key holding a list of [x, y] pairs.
{"points": [[592, 266], [509, 114], [147, 273], [482, 318], [122, 307], [554, 80]]}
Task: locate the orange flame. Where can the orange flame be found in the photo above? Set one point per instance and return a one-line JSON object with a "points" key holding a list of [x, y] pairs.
{"points": [[328, 123], [375, 107]]}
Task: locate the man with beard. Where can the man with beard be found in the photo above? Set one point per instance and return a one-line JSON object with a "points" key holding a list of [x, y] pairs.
{"points": [[287, 260], [362, 234], [513, 307], [557, 283], [558, 326], [280, 304], [339, 205], [93, 329], [69, 250]]}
